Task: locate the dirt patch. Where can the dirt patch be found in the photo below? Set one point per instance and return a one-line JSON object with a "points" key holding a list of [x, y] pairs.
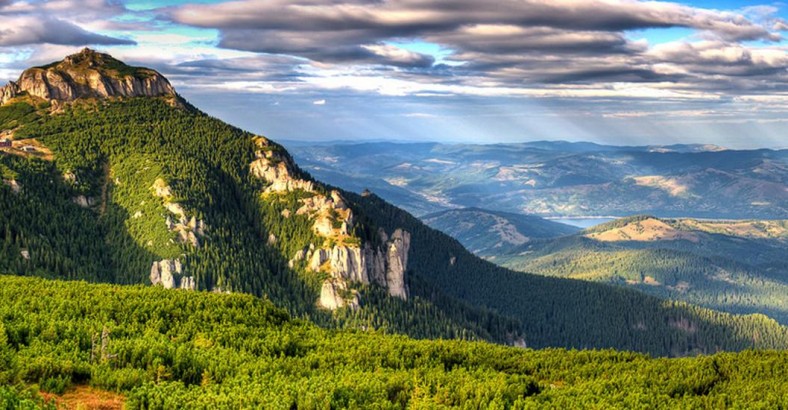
{"points": [[29, 148], [86, 397]]}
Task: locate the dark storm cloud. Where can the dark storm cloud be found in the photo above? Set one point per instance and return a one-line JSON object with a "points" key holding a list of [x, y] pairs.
{"points": [[508, 43], [340, 46], [333, 31]]}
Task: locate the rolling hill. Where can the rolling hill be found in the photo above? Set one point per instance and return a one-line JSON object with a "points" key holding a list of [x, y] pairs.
{"points": [[734, 266]]}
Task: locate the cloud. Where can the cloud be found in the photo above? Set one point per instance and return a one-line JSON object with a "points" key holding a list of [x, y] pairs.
{"points": [[418, 16], [26, 30], [319, 102], [55, 22], [508, 45]]}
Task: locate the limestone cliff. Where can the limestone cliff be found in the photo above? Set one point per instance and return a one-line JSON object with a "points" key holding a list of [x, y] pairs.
{"points": [[334, 295], [384, 265], [170, 272], [189, 230], [343, 256], [87, 74]]}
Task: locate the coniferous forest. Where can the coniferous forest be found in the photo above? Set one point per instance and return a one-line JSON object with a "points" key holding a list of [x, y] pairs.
{"points": [[169, 349]]}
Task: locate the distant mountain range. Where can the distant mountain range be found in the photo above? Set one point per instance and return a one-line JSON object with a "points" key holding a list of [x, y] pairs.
{"points": [[559, 178]]}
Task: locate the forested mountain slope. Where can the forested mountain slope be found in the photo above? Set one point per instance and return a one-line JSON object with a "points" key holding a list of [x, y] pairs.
{"points": [[734, 266], [140, 190]]}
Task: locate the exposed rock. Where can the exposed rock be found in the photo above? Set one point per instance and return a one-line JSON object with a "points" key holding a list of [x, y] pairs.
{"points": [[384, 265], [276, 169], [85, 202], [87, 74], [298, 257], [189, 230], [25, 254], [331, 296], [15, 187], [397, 263], [271, 239], [326, 211], [188, 283], [344, 262], [161, 188], [175, 208], [169, 274]]}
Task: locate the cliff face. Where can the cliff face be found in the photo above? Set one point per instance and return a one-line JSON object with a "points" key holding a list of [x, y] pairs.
{"points": [[384, 265], [340, 256], [87, 74]]}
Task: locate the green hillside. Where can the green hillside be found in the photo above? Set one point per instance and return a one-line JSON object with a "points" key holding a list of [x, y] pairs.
{"points": [[733, 266], [573, 313], [115, 154], [171, 349]]}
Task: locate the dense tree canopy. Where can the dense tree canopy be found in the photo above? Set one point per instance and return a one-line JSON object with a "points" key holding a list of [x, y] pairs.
{"points": [[168, 349]]}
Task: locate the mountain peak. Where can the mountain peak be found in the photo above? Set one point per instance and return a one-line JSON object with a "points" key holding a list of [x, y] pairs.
{"points": [[84, 75], [88, 57]]}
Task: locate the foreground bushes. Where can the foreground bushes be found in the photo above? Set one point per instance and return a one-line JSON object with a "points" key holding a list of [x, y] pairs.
{"points": [[178, 349]]}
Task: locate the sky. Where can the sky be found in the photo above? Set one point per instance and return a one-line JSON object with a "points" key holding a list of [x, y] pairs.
{"points": [[619, 72]]}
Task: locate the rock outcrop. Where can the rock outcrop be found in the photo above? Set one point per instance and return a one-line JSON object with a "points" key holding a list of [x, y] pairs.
{"points": [[85, 201], [271, 166], [384, 265], [189, 230], [87, 74], [15, 187], [334, 295], [169, 274], [342, 258]]}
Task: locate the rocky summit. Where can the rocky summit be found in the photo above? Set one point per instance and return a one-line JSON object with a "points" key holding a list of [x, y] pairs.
{"points": [[87, 74]]}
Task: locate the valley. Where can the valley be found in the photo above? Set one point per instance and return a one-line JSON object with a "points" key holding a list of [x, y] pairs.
{"points": [[560, 179]]}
